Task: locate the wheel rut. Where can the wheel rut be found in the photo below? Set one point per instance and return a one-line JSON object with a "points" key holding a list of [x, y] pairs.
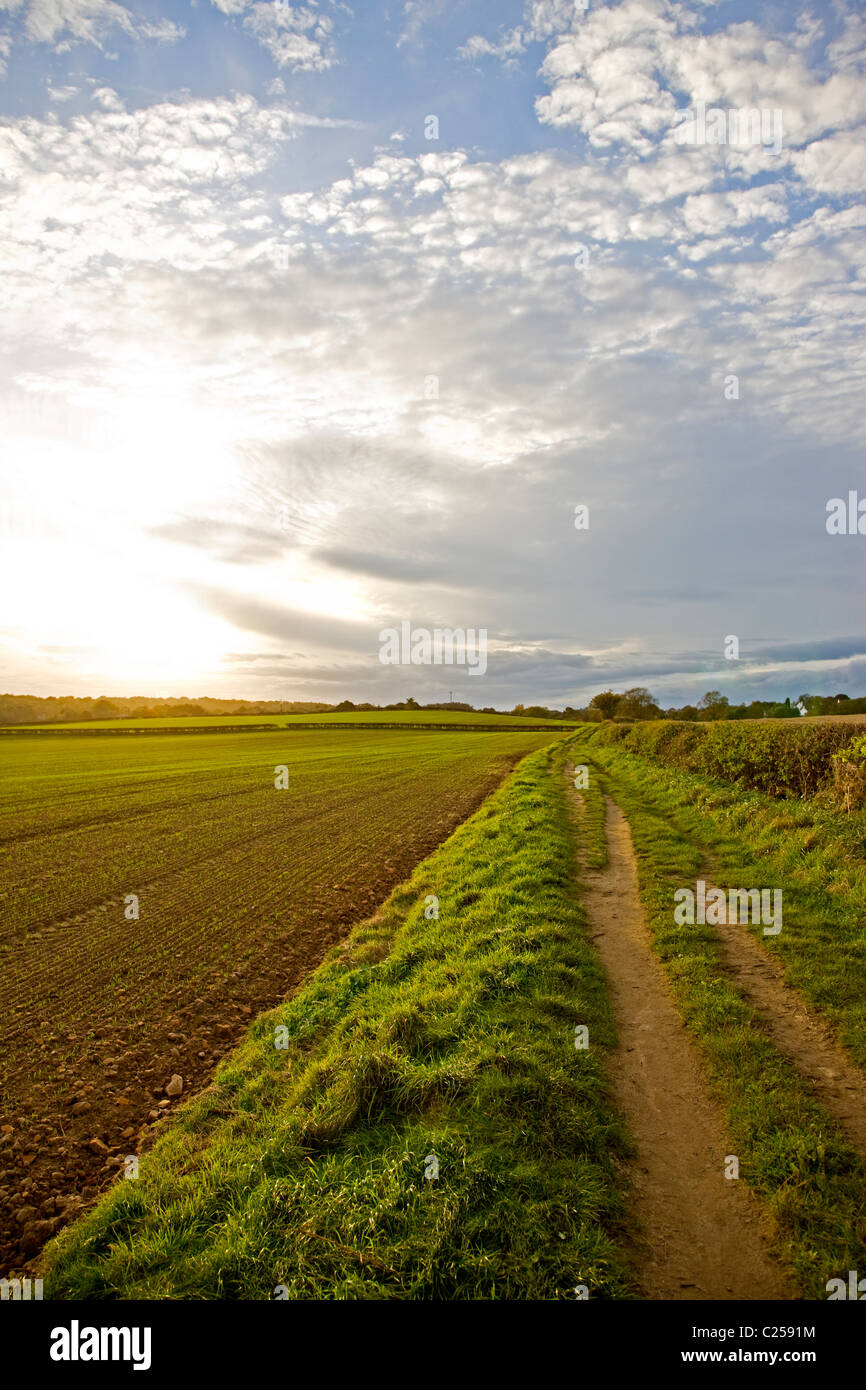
{"points": [[803, 1036]]}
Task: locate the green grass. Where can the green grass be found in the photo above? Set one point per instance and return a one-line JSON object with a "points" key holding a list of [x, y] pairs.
{"points": [[433, 719], [593, 834], [451, 1036], [791, 1153]]}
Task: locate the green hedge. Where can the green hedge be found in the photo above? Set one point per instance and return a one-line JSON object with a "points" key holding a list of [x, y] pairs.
{"points": [[779, 759]]}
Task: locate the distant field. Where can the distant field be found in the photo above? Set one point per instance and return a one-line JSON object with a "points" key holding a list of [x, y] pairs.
{"points": [[433, 718], [242, 888], [827, 719]]}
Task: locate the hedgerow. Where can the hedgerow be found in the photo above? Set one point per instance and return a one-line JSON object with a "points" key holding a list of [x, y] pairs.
{"points": [[849, 774], [779, 759]]}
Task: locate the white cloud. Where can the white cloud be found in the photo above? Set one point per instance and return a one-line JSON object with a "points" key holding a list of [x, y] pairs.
{"points": [[509, 47], [836, 165], [127, 201], [297, 36], [512, 229], [848, 53], [63, 23], [90, 20], [417, 14], [618, 72], [61, 93], [543, 20], [141, 293]]}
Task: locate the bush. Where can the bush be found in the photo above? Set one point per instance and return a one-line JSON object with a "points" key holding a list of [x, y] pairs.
{"points": [[777, 759], [849, 774]]}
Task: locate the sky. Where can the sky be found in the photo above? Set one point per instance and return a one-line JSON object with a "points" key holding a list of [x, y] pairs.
{"points": [[320, 318]]}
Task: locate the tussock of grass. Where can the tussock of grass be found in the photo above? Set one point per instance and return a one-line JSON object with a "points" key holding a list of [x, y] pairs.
{"points": [[305, 1167]]}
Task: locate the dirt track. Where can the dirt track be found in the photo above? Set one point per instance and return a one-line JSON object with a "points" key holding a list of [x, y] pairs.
{"points": [[700, 1234]]}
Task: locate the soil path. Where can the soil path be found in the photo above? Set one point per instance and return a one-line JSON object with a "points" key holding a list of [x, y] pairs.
{"points": [[701, 1233], [839, 1084]]}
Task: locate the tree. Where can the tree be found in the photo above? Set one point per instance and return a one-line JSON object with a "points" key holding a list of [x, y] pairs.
{"points": [[104, 709], [637, 703], [786, 711], [606, 701], [713, 705]]}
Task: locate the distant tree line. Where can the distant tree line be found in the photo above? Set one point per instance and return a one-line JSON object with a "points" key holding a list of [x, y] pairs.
{"points": [[636, 703], [63, 709]]}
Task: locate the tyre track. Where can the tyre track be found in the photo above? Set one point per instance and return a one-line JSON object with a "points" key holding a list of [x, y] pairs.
{"points": [[803, 1036]]}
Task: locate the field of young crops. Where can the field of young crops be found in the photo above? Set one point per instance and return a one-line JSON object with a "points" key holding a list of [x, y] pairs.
{"points": [[158, 893], [432, 719]]}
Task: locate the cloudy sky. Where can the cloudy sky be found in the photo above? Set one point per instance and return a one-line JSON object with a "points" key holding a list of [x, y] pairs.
{"points": [[318, 317]]}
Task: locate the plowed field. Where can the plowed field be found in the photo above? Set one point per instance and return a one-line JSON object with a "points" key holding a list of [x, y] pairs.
{"points": [[241, 890]]}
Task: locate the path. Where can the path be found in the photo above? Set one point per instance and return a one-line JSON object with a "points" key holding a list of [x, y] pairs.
{"points": [[701, 1233]]}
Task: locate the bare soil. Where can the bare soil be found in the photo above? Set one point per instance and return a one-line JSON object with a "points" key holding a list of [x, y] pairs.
{"points": [[62, 1146]]}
